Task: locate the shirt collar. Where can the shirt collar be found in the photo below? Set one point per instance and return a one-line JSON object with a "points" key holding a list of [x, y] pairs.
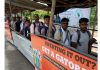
{"points": [[63, 29], [46, 25]]}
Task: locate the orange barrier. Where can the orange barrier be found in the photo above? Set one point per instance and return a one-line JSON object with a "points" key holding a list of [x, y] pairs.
{"points": [[51, 56]]}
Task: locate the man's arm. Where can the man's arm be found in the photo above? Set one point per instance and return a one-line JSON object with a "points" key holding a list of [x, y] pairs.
{"points": [[91, 41], [57, 35], [74, 44], [74, 40]]}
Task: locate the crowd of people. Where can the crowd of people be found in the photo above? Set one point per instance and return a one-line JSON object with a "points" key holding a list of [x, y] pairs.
{"points": [[80, 39]]}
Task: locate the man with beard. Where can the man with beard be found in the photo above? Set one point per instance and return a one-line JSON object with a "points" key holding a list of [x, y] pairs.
{"points": [[82, 39]]}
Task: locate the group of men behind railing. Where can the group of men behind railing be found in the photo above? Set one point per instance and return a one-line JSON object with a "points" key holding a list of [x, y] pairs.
{"points": [[80, 39]]}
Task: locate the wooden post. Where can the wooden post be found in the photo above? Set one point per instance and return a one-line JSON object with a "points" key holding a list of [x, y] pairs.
{"points": [[10, 9], [95, 21], [31, 16], [21, 13], [10, 19], [51, 17], [48, 12]]}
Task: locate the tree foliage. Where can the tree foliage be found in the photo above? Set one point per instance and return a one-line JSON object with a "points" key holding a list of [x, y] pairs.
{"points": [[93, 13], [41, 13], [30, 15]]}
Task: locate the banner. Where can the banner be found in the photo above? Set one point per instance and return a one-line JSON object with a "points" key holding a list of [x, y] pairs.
{"points": [[23, 45], [51, 56], [74, 14]]}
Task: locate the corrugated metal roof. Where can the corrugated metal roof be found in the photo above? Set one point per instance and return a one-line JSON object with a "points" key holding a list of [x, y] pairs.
{"points": [[61, 5]]}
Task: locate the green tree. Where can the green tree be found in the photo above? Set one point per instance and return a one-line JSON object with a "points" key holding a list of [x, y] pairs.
{"points": [[93, 13], [41, 13]]}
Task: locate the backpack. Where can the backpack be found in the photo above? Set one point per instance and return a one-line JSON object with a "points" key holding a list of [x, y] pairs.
{"points": [[39, 26], [46, 30], [66, 36], [79, 35]]}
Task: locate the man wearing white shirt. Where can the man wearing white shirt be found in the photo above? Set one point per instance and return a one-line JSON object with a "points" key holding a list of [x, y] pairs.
{"points": [[44, 29], [63, 34], [22, 24], [82, 38], [34, 28]]}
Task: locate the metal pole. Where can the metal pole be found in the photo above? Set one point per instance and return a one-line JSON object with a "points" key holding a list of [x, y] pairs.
{"points": [[51, 17]]}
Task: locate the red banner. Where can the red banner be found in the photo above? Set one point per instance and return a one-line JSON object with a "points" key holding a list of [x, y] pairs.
{"points": [[51, 56]]}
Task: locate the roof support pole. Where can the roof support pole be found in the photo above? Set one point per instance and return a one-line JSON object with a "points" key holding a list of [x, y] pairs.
{"points": [[48, 12], [10, 15], [10, 18], [31, 15], [21, 13], [10, 9], [51, 17]]}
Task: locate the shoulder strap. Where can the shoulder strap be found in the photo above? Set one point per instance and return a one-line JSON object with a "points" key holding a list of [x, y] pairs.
{"points": [[67, 36], [34, 26], [89, 33], [78, 33], [54, 28], [46, 29], [42, 23], [60, 32]]}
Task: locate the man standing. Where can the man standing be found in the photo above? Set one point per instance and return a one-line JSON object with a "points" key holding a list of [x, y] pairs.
{"points": [[81, 38], [34, 28], [63, 34], [17, 24], [22, 24], [44, 29]]}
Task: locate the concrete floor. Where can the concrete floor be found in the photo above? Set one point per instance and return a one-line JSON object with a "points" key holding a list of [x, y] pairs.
{"points": [[14, 60]]}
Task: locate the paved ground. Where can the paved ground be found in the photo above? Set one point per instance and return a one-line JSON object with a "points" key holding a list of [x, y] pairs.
{"points": [[14, 60]]}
